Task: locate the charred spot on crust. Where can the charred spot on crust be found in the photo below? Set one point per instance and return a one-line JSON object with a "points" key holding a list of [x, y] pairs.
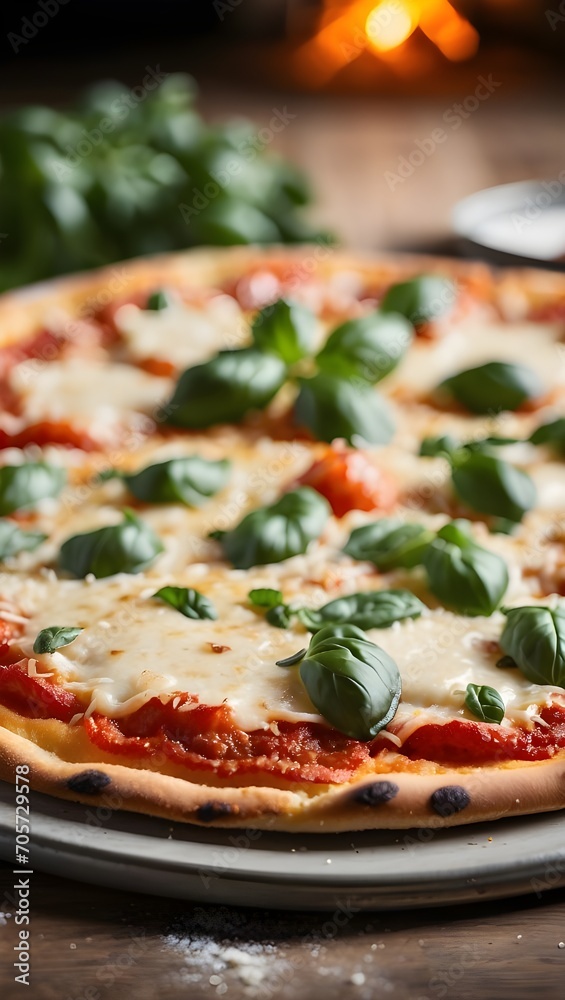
{"points": [[88, 782], [449, 800], [211, 811], [376, 793]]}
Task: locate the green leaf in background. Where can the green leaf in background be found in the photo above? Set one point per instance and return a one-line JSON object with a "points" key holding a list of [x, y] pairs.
{"points": [[366, 609], [190, 480], [54, 637], [158, 300], [442, 446], [333, 407], [352, 682], [156, 177], [265, 597], [389, 543], [272, 534], [493, 387], [492, 486], [421, 300], [286, 329], [551, 434], [462, 575], [13, 540], [191, 603], [368, 348], [119, 548], [485, 702], [226, 388], [534, 637], [23, 486]]}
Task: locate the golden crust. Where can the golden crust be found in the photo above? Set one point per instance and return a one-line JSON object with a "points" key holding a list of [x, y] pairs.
{"points": [[408, 794]]}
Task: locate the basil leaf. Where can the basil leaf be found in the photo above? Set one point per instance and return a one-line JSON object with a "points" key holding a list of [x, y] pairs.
{"points": [[442, 446], [189, 480], [289, 661], [191, 603], [225, 388], [492, 486], [158, 300], [265, 597], [24, 485], [280, 616], [352, 682], [462, 575], [421, 300], [367, 348], [366, 609], [485, 702], [272, 534], [552, 434], [389, 543], [332, 408], [119, 548], [534, 637], [286, 329], [493, 387], [54, 637], [13, 540]]}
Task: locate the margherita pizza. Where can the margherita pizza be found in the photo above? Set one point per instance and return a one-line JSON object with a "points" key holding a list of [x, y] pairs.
{"points": [[282, 539]]}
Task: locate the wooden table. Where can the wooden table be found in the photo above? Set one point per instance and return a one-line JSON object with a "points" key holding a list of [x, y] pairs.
{"points": [[90, 943]]}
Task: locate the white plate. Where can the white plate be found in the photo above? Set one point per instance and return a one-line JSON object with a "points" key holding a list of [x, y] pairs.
{"points": [[515, 223], [378, 870]]}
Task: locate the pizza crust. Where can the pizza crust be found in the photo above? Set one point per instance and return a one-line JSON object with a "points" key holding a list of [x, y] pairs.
{"points": [[422, 795], [384, 801]]}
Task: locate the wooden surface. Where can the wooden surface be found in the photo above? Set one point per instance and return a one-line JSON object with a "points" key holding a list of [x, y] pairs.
{"points": [[90, 943]]}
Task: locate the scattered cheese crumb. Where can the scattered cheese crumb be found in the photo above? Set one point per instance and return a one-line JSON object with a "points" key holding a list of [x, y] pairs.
{"points": [[357, 979]]}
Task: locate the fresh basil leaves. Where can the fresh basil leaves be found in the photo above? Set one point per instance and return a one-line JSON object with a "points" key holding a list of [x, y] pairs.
{"points": [[224, 389], [337, 401], [13, 540], [158, 300], [119, 548], [190, 480], [333, 407], [24, 485], [462, 574], [191, 603], [534, 637], [286, 329], [551, 434], [485, 702], [421, 300], [367, 348], [366, 609], [54, 637], [271, 534], [389, 543], [493, 387], [352, 682], [492, 486]]}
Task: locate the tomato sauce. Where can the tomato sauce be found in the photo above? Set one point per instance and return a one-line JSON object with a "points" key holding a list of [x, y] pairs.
{"points": [[350, 480]]}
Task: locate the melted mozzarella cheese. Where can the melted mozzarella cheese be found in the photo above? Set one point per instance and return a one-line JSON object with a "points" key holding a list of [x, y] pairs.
{"points": [[469, 344], [95, 395], [134, 647], [182, 333]]}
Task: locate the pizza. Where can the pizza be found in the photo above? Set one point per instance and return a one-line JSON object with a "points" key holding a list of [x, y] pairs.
{"points": [[282, 539]]}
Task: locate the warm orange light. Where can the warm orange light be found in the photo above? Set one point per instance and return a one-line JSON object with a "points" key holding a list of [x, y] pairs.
{"points": [[389, 24]]}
